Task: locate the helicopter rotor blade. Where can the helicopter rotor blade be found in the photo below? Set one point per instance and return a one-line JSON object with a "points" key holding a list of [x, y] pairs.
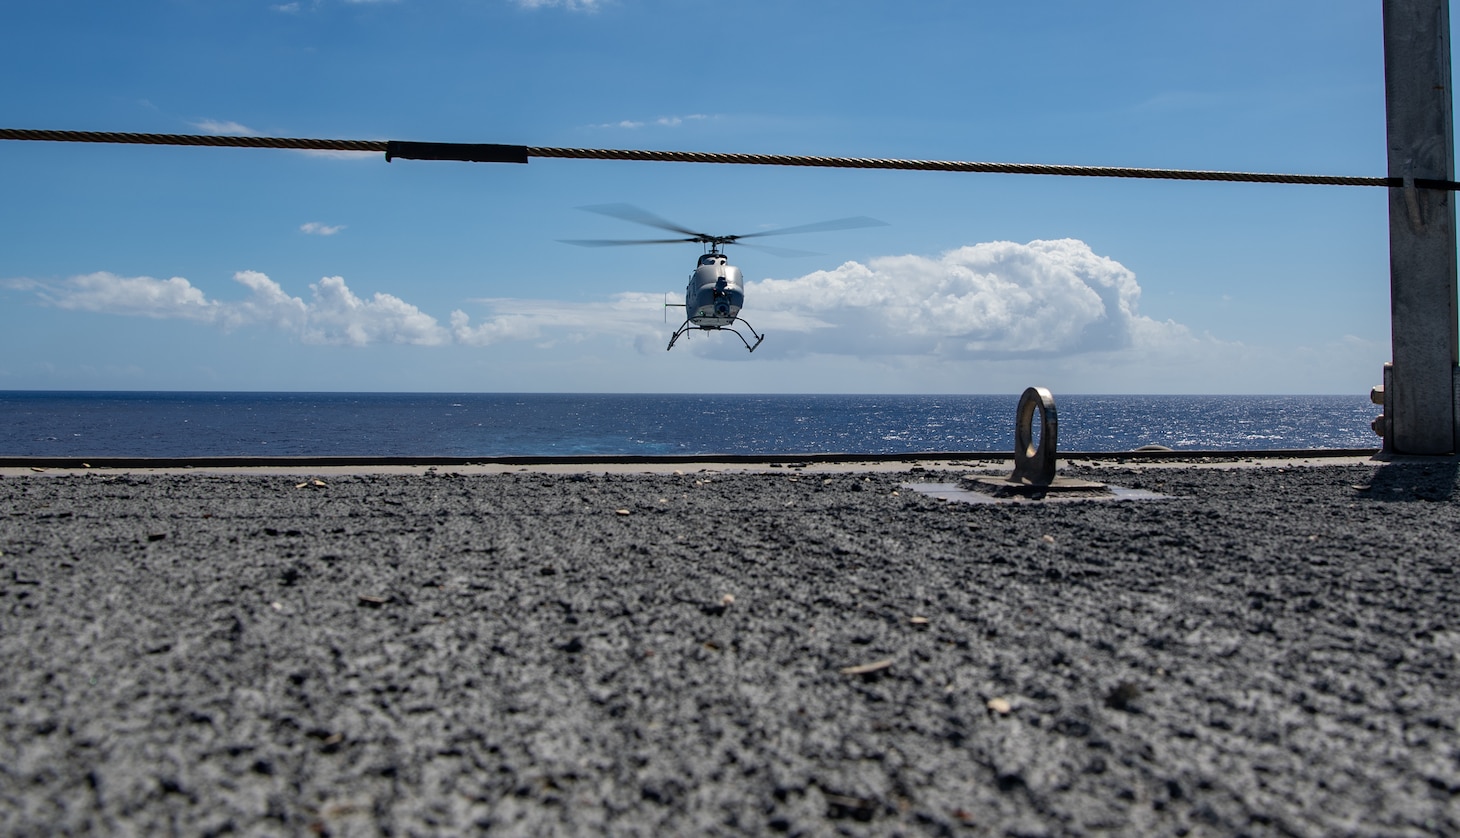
{"points": [[638, 215], [618, 242], [819, 227], [780, 251]]}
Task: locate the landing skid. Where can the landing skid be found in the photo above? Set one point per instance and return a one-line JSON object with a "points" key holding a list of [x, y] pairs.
{"points": [[688, 325]]}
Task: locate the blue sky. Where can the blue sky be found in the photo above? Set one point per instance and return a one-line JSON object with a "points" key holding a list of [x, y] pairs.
{"points": [[130, 267]]}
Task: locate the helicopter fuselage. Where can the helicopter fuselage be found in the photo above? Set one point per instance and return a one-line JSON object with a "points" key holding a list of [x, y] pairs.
{"points": [[716, 290], [715, 293]]}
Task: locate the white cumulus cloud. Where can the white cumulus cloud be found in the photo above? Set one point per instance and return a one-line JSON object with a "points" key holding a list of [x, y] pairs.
{"points": [[315, 228], [223, 128], [137, 295], [990, 300], [336, 315], [333, 315], [267, 304]]}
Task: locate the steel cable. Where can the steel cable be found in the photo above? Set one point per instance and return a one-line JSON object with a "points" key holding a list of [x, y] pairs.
{"points": [[190, 139], [950, 166], [519, 154]]}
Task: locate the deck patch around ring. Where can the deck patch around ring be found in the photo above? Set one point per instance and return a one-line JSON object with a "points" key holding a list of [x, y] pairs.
{"points": [[1090, 491]]}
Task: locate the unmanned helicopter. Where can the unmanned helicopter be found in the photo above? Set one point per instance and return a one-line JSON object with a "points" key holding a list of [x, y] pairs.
{"points": [[716, 289]]}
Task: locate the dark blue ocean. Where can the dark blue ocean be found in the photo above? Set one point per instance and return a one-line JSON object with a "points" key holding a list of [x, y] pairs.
{"points": [[171, 424]]}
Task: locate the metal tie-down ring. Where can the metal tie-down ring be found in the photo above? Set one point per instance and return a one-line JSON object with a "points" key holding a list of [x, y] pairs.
{"points": [[1035, 466]]}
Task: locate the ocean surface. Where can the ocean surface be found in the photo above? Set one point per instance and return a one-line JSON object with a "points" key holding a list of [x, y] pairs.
{"points": [[177, 424]]}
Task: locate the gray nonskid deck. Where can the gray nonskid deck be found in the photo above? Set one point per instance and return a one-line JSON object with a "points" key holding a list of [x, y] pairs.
{"points": [[1263, 650]]}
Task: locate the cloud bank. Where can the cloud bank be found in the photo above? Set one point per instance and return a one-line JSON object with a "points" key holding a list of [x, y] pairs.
{"points": [[990, 301], [334, 315], [985, 301]]}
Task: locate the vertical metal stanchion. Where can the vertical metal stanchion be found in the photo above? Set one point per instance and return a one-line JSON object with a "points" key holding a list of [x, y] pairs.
{"points": [[1420, 398]]}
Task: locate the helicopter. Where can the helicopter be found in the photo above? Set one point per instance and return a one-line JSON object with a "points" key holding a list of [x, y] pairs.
{"points": [[716, 289]]}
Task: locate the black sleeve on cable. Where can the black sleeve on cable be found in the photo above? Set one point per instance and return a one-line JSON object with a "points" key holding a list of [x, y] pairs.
{"points": [[1428, 183], [468, 152]]}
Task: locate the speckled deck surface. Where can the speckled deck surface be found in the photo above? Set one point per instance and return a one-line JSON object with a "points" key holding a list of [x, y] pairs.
{"points": [[1267, 650]]}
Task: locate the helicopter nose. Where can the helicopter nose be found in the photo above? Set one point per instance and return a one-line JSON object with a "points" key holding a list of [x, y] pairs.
{"points": [[722, 309]]}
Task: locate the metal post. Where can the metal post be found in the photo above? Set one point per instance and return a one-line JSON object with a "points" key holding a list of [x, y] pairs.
{"points": [[1421, 227]]}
